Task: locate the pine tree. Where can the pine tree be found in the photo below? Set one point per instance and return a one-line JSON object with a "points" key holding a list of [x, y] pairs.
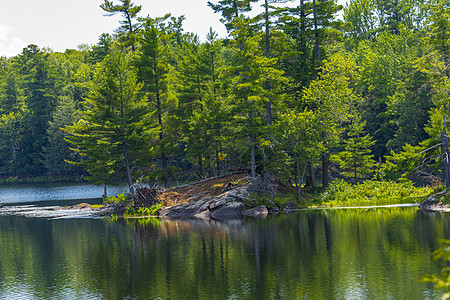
{"points": [[114, 123], [156, 72], [231, 10], [355, 161], [248, 76], [41, 93], [129, 11]]}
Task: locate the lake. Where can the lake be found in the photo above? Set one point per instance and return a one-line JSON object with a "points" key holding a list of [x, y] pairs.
{"points": [[313, 254]]}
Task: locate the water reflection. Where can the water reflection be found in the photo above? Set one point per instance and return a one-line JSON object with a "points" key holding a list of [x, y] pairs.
{"points": [[350, 254]]}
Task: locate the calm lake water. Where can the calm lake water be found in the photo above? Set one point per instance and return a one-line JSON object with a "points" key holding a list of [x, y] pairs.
{"points": [[314, 254]]}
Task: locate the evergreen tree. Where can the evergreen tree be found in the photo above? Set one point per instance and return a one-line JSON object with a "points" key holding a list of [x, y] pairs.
{"points": [[128, 30], [248, 76], [231, 10], [156, 72], [114, 124], [355, 160], [41, 94]]}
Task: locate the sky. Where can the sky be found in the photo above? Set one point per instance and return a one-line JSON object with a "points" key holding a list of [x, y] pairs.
{"points": [[66, 24]]}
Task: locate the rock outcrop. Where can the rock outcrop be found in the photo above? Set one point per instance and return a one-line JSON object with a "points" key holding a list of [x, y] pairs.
{"points": [[259, 211], [436, 202], [225, 205]]}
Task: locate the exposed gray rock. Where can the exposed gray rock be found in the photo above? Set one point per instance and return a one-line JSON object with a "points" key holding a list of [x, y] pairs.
{"points": [[230, 210], [225, 205], [435, 202], [260, 211], [290, 206], [206, 214]]}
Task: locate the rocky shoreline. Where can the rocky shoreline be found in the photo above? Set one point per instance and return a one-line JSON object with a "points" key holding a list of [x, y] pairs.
{"points": [[436, 203], [225, 205], [218, 198]]}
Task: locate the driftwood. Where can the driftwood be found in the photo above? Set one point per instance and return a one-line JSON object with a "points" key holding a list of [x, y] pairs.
{"points": [[145, 196]]}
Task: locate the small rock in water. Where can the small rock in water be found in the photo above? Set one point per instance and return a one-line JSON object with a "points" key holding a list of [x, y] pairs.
{"points": [[259, 211]]}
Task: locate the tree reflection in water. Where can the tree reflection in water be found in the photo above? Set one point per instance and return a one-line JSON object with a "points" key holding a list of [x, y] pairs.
{"points": [[355, 253]]}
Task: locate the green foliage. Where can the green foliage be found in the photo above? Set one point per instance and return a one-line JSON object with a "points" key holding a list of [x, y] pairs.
{"points": [[401, 165], [119, 199], [114, 124], [268, 98], [128, 30], [442, 280], [143, 211], [355, 160], [368, 193]]}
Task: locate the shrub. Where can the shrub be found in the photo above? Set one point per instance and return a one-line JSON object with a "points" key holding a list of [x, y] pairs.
{"points": [[372, 192], [143, 211], [119, 199]]}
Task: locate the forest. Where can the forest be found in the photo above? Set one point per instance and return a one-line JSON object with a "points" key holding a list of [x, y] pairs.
{"points": [[307, 91]]}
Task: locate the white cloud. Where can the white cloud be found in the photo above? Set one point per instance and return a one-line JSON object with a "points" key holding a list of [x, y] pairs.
{"points": [[4, 31], [9, 46]]}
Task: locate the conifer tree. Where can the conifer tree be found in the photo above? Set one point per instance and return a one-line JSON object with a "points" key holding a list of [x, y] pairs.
{"points": [[129, 11], [114, 123], [231, 10], [156, 73], [355, 160], [248, 76]]}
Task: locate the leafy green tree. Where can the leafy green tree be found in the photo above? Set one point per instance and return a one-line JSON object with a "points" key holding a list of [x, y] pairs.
{"points": [[390, 87], [394, 14], [299, 136], [10, 125], [361, 15], [201, 111], [311, 25], [101, 49], [114, 123], [57, 153], [332, 99], [355, 160]]}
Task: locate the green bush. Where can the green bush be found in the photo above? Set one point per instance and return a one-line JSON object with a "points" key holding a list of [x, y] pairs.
{"points": [[442, 280], [119, 199], [371, 192], [143, 211]]}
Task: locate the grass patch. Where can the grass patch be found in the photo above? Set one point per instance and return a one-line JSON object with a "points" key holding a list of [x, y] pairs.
{"points": [[370, 192]]}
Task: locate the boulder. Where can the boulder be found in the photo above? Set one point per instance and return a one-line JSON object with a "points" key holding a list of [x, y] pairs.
{"points": [[436, 202], [290, 206], [259, 211], [229, 210]]}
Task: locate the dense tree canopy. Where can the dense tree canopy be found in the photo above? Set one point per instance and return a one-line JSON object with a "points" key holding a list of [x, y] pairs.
{"points": [[285, 90]]}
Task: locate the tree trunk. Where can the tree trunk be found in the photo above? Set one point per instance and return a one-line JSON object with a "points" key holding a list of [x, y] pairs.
{"points": [[164, 164], [445, 158], [161, 134], [128, 169], [299, 184], [104, 192], [253, 155], [200, 167], [325, 177], [253, 160], [310, 179], [316, 32]]}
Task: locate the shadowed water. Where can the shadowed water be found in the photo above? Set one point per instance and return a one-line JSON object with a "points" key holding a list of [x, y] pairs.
{"points": [[333, 254]]}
